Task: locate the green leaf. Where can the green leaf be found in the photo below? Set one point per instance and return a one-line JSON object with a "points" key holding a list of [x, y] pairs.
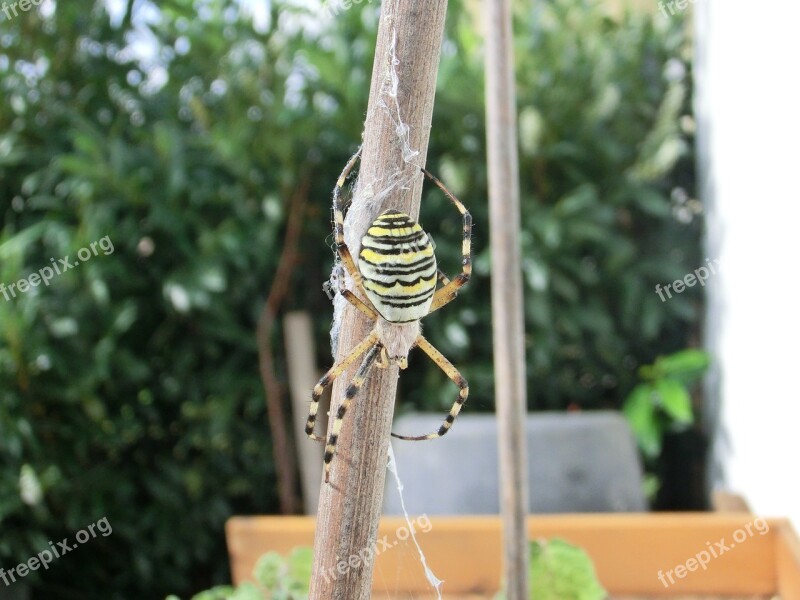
{"points": [[653, 203], [269, 570], [561, 571], [301, 564], [674, 400], [247, 591], [577, 201], [686, 365], [222, 592], [640, 412]]}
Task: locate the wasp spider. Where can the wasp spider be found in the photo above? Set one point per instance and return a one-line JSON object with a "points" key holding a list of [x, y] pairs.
{"points": [[397, 274]]}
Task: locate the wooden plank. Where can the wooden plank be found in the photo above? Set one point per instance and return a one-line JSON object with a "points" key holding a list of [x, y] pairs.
{"points": [[629, 550], [646, 546], [729, 502], [409, 595], [694, 597], [788, 561]]}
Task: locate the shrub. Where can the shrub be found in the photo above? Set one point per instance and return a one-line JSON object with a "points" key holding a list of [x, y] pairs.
{"points": [[129, 385]]}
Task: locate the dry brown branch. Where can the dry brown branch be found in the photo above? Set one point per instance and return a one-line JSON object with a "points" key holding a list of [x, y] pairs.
{"points": [[281, 442]]}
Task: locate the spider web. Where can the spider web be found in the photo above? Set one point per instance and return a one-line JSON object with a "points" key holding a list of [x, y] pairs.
{"points": [[435, 582], [366, 200]]}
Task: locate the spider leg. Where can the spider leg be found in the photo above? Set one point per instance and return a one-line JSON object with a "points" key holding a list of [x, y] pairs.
{"points": [[450, 289], [329, 378], [383, 359], [335, 286], [341, 245], [442, 277], [359, 304], [456, 377], [352, 390]]}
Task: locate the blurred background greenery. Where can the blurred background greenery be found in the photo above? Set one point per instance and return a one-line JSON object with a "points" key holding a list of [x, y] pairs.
{"points": [[187, 132]]}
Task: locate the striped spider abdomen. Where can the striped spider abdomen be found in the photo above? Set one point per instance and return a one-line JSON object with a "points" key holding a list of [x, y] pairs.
{"points": [[398, 267]]}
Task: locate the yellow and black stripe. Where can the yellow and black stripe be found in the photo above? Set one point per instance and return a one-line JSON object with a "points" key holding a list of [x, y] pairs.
{"points": [[398, 267], [352, 390], [330, 377], [456, 377]]}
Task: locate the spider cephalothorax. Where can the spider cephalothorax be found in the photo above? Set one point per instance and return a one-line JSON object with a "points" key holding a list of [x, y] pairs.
{"points": [[397, 275]]}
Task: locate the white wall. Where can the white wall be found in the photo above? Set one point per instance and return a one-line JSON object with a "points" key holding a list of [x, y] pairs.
{"points": [[748, 108]]}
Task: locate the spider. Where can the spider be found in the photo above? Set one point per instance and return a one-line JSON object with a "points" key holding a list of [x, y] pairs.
{"points": [[397, 274]]}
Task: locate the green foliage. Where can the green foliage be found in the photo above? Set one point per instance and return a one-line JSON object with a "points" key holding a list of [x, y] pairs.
{"points": [[129, 385], [600, 133], [558, 571], [561, 571], [607, 177], [276, 579], [661, 403]]}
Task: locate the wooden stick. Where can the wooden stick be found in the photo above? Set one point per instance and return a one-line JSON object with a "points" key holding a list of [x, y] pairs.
{"points": [[395, 145], [508, 323], [299, 341]]}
